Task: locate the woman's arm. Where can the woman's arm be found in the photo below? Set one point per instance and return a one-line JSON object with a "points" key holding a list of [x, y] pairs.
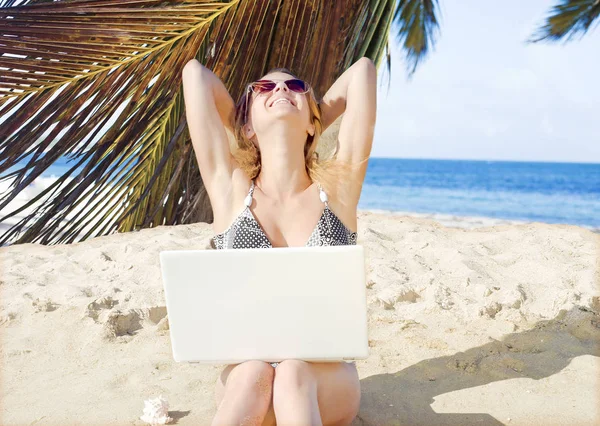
{"points": [[353, 94], [209, 111], [334, 102], [221, 96]]}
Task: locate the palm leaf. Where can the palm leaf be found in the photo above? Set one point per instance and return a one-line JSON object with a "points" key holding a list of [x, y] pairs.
{"points": [[567, 19], [141, 41], [417, 29], [99, 82]]}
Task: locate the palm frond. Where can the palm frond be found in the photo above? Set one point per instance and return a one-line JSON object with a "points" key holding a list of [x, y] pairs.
{"points": [[92, 72], [417, 29], [99, 82], [568, 19]]}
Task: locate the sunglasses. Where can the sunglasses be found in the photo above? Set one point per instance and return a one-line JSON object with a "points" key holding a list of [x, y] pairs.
{"points": [[265, 86], [262, 87]]}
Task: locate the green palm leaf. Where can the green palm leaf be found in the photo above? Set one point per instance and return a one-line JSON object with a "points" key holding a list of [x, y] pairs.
{"points": [[417, 29], [567, 19], [99, 82]]}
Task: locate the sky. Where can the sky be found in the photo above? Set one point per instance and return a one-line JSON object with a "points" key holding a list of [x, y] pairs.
{"points": [[483, 93]]}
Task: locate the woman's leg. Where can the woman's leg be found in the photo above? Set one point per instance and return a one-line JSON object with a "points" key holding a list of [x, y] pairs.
{"points": [[295, 394], [243, 394], [307, 393]]}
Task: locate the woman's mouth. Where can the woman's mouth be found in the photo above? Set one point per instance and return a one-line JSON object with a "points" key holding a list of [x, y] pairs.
{"points": [[281, 101]]}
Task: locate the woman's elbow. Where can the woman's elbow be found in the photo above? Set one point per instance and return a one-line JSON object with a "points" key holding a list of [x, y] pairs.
{"points": [[193, 66], [368, 70], [367, 63]]}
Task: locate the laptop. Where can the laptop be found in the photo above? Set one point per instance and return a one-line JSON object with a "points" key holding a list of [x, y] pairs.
{"points": [[271, 304]]}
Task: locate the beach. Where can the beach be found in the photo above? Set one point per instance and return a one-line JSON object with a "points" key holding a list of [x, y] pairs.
{"points": [[478, 210], [470, 324]]}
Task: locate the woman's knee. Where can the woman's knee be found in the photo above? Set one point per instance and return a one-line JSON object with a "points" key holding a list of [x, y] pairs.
{"points": [[254, 377], [294, 373], [252, 367]]}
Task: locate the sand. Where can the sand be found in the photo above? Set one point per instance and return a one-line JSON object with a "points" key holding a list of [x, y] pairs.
{"points": [[486, 325]]}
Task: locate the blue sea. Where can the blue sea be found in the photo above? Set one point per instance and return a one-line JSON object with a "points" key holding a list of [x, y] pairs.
{"points": [[565, 193]]}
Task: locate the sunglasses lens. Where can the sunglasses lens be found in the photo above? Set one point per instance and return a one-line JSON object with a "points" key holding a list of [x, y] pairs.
{"points": [[296, 85], [263, 86]]}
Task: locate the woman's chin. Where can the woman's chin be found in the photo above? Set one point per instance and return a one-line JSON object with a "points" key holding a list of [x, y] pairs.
{"points": [[283, 110], [284, 114]]}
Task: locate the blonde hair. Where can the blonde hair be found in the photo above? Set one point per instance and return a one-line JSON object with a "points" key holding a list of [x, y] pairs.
{"points": [[329, 172]]}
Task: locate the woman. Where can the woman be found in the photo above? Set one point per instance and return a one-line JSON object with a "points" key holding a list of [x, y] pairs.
{"points": [[275, 180]]}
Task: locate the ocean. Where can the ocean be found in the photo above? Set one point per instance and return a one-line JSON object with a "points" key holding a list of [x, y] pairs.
{"points": [[554, 193], [565, 193]]}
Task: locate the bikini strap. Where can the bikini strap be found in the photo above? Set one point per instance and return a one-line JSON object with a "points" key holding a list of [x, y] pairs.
{"points": [[322, 195], [248, 199]]}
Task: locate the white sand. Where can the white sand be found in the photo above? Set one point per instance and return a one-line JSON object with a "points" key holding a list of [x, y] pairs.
{"points": [[493, 325]]}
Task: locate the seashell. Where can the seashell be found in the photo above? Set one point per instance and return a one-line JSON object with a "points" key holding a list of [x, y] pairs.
{"points": [[156, 411]]}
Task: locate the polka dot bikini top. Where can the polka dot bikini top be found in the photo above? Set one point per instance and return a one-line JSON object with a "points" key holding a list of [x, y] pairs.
{"points": [[245, 232]]}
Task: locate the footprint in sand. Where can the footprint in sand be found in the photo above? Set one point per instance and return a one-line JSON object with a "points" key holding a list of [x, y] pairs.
{"points": [[94, 308], [121, 323], [44, 305], [8, 317]]}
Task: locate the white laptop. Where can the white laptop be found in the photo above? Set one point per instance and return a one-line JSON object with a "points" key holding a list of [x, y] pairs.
{"points": [[270, 304]]}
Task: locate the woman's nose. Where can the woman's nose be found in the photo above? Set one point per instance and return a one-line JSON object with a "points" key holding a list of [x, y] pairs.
{"points": [[281, 86]]}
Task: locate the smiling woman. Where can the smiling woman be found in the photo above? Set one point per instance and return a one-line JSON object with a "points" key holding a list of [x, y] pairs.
{"points": [[274, 178], [248, 116]]}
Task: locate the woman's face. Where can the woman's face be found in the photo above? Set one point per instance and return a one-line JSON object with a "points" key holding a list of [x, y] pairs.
{"points": [[279, 105]]}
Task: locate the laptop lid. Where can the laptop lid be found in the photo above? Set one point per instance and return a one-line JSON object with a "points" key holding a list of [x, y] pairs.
{"points": [[233, 305]]}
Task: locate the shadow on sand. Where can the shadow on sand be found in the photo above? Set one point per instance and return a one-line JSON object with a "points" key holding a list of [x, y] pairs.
{"points": [[537, 353]]}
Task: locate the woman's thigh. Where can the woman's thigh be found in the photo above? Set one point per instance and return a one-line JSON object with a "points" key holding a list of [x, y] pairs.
{"points": [[249, 368], [338, 390]]}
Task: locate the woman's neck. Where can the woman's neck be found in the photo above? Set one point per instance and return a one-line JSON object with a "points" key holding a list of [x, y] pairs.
{"points": [[282, 180], [283, 173]]}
